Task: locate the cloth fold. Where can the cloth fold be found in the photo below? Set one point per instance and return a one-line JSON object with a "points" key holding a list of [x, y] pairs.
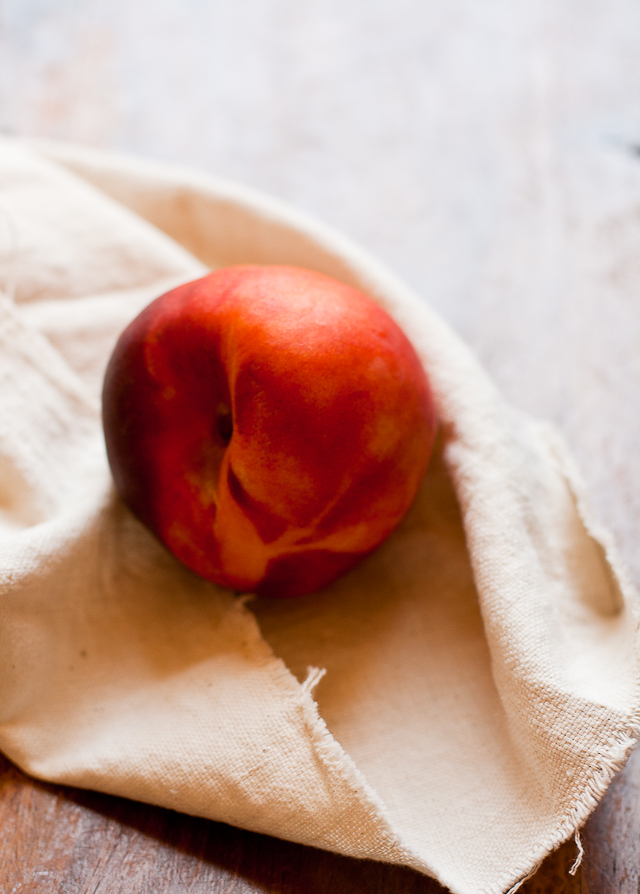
{"points": [[482, 666]]}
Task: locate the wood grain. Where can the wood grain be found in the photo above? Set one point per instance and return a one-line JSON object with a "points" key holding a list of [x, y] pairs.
{"points": [[489, 154], [60, 840], [57, 839]]}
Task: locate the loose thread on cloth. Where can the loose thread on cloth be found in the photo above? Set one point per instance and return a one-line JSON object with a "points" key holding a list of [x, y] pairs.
{"points": [[572, 871], [579, 856], [314, 675]]}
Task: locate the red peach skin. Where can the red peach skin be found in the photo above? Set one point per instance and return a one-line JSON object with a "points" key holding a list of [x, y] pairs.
{"points": [[269, 424]]}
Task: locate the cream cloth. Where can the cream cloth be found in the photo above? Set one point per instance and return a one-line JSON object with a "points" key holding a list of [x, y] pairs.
{"points": [[481, 683]]}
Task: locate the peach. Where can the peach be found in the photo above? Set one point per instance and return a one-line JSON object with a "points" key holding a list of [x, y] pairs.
{"points": [[270, 425]]}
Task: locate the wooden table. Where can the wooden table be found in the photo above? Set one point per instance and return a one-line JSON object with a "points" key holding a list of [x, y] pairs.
{"points": [[66, 841], [487, 152]]}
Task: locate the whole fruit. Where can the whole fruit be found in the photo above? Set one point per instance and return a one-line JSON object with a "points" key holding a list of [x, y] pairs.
{"points": [[269, 424]]}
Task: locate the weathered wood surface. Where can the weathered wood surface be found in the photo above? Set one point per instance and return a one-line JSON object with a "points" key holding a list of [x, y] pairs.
{"points": [[58, 840], [66, 841], [490, 153]]}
